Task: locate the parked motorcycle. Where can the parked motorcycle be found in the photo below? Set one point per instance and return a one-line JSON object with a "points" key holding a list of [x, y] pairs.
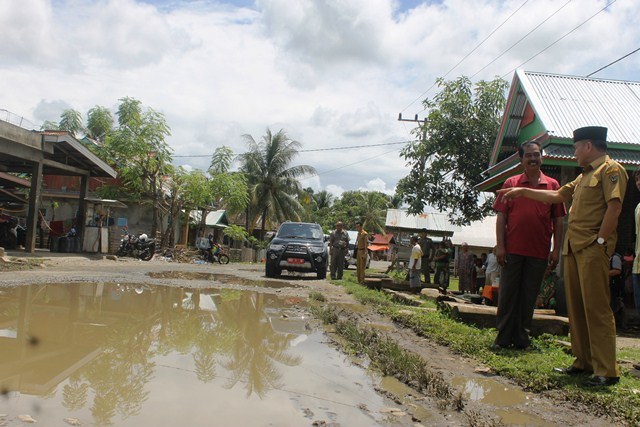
{"points": [[215, 254], [140, 246]]}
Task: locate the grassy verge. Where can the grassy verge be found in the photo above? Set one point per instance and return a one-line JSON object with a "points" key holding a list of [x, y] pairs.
{"points": [[533, 370]]}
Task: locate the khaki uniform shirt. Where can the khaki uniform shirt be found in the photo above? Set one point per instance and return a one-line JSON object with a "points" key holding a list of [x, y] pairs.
{"points": [[601, 181], [362, 240]]}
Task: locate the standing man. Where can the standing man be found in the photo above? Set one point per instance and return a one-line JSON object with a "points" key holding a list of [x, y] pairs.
{"points": [[361, 256], [414, 263], [428, 252], [441, 258], [597, 201], [338, 244], [466, 267], [523, 232]]}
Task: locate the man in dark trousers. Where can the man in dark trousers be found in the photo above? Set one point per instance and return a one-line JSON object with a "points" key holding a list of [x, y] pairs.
{"points": [[428, 252], [597, 196], [523, 234], [338, 246]]}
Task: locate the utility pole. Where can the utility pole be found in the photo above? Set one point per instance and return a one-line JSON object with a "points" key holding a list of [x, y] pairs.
{"points": [[414, 120]]}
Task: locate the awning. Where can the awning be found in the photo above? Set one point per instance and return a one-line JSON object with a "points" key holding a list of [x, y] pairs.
{"points": [[375, 248]]}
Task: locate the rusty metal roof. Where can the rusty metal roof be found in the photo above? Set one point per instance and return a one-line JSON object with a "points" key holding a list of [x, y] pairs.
{"points": [[564, 103]]}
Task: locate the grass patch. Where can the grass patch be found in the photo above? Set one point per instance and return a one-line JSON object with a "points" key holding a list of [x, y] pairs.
{"points": [[532, 370], [317, 296]]}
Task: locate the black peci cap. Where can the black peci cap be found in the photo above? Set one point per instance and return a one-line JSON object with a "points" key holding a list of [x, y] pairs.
{"points": [[593, 133]]}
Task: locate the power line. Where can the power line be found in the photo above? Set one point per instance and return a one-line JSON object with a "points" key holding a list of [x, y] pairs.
{"points": [[522, 38], [611, 63], [346, 166], [571, 31], [466, 56], [321, 149]]}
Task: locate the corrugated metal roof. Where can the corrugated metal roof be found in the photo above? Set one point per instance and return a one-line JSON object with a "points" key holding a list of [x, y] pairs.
{"points": [[480, 234], [564, 103], [434, 223], [565, 152], [214, 218]]}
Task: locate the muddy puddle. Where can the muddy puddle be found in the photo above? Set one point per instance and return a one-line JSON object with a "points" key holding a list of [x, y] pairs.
{"points": [[140, 355], [510, 403], [220, 278]]}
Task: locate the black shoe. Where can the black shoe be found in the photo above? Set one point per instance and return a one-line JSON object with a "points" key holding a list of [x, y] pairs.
{"points": [[571, 370], [598, 381]]}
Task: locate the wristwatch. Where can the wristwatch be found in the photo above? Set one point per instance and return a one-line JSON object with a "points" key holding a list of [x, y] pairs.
{"points": [[600, 241]]}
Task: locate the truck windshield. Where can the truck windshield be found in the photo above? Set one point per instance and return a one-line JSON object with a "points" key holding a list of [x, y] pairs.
{"points": [[304, 231]]}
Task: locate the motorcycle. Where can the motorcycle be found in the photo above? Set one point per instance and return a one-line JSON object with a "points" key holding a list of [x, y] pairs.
{"points": [[140, 246], [215, 254]]}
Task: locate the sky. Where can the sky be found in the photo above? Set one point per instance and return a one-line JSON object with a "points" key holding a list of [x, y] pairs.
{"points": [[330, 73]]}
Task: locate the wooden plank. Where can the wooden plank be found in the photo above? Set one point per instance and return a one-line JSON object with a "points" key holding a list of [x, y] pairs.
{"points": [[485, 317]]}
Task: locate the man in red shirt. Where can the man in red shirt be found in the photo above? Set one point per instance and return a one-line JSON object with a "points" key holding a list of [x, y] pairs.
{"points": [[523, 234]]}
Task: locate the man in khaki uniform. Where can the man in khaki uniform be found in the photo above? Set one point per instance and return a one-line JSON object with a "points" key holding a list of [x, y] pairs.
{"points": [[597, 196], [361, 257]]}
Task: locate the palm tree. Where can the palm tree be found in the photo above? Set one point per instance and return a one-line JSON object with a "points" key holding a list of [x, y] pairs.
{"points": [[375, 205], [323, 199], [273, 182]]}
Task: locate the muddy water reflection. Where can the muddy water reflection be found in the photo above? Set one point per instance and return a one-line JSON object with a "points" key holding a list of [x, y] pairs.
{"points": [[108, 353], [220, 278]]}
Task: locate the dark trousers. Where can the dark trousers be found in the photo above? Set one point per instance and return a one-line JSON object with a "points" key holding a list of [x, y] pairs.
{"points": [[337, 263], [426, 269], [519, 287], [441, 277]]}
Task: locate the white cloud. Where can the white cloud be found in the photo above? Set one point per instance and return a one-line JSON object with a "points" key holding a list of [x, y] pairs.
{"points": [[378, 184], [335, 190]]}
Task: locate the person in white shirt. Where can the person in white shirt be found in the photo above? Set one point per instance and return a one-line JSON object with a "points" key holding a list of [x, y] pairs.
{"points": [[415, 263], [493, 268]]}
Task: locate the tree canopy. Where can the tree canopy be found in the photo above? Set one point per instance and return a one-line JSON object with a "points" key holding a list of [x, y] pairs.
{"points": [[453, 148]]}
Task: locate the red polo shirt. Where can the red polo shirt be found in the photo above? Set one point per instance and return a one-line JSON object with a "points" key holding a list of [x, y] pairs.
{"points": [[529, 223]]}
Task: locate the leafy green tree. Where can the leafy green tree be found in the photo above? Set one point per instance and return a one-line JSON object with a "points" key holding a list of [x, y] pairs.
{"points": [[229, 188], [99, 123], [71, 121], [141, 154], [273, 182], [453, 149], [369, 207], [50, 125]]}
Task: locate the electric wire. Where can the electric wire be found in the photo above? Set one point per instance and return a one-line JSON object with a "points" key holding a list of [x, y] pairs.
{"points": [[383, 144], [611, 63], [346, 166], [565, 35], [466, 56], [522, 38]]}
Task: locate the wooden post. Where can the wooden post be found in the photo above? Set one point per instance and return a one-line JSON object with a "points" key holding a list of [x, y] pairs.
{"points": [[34, 207]]}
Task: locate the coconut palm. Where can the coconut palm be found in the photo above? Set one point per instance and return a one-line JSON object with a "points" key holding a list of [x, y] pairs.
{"points": [[323, 199], [273, 182]]}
